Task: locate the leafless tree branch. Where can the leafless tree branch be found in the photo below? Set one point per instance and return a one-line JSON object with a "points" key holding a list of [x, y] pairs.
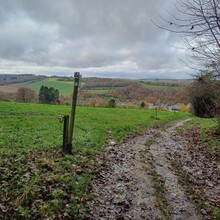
{"points": [[198, 23]]}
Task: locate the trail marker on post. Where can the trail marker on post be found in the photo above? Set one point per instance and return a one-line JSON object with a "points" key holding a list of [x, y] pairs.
{"points": [[69, 125]]}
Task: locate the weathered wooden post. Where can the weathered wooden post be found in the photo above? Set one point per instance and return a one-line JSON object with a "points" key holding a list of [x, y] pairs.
{"points": [[73, 111], [156, 111], [65, 132]]}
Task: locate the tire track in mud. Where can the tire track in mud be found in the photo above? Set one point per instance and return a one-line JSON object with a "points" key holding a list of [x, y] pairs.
{"points": [[179, 205], [124, 188]]}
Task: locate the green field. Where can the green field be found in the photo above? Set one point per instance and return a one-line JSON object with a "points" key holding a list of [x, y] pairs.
{"points": [[96, 91], [37, 179], [160, 86], [65, 88], [91, 123]]}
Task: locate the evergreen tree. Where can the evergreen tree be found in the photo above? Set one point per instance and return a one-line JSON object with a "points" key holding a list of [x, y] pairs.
{"points": [[42, 94], [56, 96], [48, 95]]}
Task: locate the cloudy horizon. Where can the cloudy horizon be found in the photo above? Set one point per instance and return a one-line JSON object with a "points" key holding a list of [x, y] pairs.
{"points": [[100, 38]]}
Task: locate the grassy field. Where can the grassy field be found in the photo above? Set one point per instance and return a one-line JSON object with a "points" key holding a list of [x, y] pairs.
{"points": [[159, 86], [97, 91], [37, 179], [65, 88]]}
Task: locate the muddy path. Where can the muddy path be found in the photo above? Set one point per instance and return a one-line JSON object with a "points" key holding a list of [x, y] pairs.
{"points": [[137, 180]]}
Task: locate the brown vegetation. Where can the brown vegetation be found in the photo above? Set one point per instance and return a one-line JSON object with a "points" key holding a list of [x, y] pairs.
{"points": [[127, 94], [131, 95], [105, 82], [26, 95]]}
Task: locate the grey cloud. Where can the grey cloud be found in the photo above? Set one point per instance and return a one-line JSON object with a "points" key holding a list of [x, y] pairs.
{"points": [[98, 34]]}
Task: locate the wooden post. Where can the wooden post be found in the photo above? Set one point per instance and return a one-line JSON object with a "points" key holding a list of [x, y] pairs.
{"points": [[65, 132], [73, 111]]}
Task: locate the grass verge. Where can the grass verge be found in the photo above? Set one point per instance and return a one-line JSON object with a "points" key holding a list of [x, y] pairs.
{"points": [[201, 131], [207, 133]]}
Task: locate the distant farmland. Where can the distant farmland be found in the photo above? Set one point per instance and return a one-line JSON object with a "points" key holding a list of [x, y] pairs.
{"points": [[65, 88], [99, 90]]}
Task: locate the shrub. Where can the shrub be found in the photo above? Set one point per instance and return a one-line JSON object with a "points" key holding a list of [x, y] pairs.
{"points": [[142, 105], [112, 103], [202, 98]]}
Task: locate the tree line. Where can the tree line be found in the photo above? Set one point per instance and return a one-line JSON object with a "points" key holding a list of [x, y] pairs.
{"points": [[6, 79], [47, 95]]}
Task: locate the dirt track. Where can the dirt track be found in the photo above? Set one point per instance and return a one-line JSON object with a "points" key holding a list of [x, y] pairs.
{"points": [[137, 180]]}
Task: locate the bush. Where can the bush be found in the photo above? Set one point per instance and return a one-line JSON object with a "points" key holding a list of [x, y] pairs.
{"points": [[202, 98], [142, 105], [112, 103]]}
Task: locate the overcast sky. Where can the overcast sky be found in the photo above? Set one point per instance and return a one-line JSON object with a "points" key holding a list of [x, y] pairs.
{"points": [[104, 38]]}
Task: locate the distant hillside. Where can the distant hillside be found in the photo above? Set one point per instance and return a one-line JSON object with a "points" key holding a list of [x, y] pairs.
{"points": [[108, 83], [166, 82], [105, 82], [7, 79], [97, 91]]}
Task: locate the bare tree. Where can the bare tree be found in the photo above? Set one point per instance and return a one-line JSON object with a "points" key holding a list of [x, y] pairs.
{"points": [[25, 94], [198, 24]]}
